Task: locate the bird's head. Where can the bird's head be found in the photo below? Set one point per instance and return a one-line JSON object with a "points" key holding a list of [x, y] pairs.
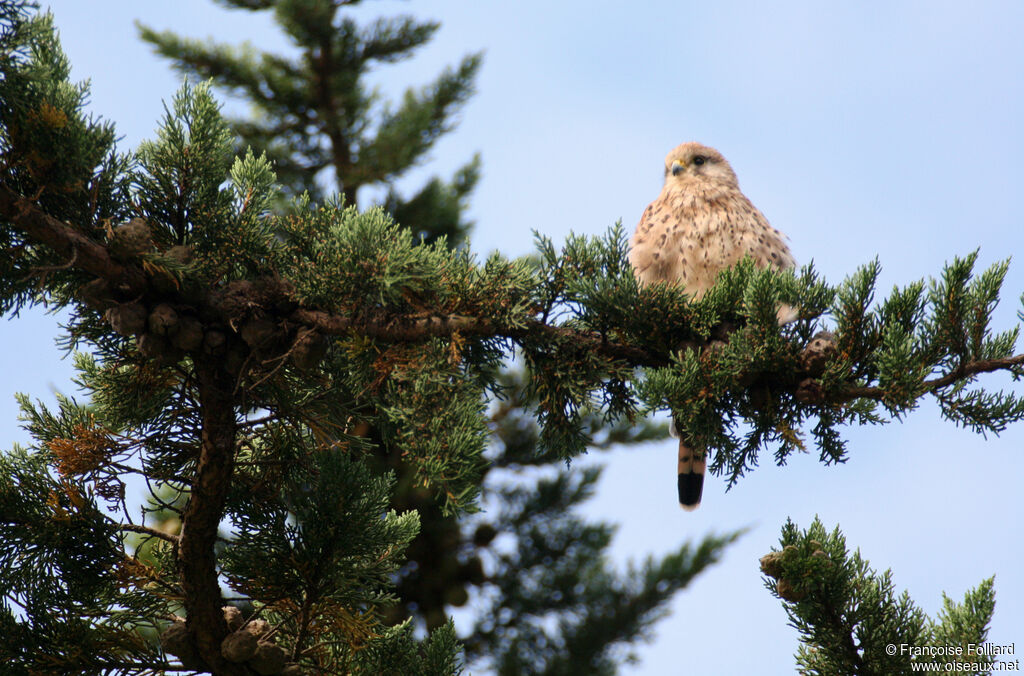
{"points": [[693, 164]]}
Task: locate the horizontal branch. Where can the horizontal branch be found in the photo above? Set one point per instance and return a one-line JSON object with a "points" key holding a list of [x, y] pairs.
{"points": [[403, 328], [93, 257], [971, 368], [146, 530], [397, 327], [87, 255]]}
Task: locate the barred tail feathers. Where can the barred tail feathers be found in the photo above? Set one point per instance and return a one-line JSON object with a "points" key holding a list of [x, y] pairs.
{"points": [[692, 466]]}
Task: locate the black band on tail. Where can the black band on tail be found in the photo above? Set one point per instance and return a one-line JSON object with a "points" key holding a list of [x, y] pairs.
{"points": [[691, 485]]}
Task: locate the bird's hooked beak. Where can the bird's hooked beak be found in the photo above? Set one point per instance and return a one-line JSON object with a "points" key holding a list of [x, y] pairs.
{"points": [[677, 167]]}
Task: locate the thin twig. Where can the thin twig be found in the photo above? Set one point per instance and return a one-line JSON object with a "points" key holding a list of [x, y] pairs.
{"points": [[258, 421], [967, 370], [135, 528]]}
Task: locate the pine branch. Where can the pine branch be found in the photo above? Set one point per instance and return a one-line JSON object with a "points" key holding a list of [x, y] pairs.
{"points": [[401, 328], [96, 259], [961, 373], [87, 254], [153, 532], [850, 617]]}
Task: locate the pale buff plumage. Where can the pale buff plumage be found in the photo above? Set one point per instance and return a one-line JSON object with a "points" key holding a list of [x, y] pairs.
{"points": [[698, 226]]}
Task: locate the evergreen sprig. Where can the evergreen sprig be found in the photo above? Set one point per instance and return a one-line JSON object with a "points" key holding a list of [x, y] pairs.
{"points": [[851, 620], [757, 390]]}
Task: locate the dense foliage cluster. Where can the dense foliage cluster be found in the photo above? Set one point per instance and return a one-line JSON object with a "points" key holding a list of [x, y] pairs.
{"points": [[317, 400]]}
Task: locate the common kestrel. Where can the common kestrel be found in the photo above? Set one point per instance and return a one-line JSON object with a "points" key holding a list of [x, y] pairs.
{"points": [[700, 225]]}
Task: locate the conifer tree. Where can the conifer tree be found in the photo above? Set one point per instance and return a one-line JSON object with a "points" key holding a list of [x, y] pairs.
{"points": [[235, 346], [851, 621], [314, 117]]}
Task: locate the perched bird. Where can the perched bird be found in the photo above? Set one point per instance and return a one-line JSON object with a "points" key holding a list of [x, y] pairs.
{"points": [[698, 226]]}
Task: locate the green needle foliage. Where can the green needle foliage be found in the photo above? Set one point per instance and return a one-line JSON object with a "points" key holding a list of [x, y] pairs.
{"points": [[309, 135], [315, 399], [315, 118], [852, 622]]}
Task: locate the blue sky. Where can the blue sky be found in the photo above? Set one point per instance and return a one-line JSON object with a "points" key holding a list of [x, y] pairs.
{"points": [[859, 129]]}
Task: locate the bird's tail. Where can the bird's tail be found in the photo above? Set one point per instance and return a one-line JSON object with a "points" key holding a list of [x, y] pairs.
{"points": [[692, 465]]}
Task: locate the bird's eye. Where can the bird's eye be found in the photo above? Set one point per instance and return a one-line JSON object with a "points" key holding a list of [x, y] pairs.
{"points": [[699, 160]]}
